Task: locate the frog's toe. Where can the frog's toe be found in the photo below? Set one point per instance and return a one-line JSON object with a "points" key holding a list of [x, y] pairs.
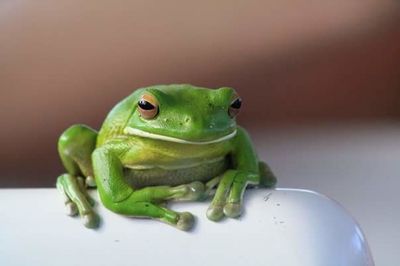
{"points": [[71, 208], [185, 222], [91, 220], [197, 190], [193, 191], [90, 182], [215, 213], [233, 209]]}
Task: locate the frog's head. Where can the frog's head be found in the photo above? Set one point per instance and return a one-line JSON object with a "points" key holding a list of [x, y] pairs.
{"points": [[184, 114]]}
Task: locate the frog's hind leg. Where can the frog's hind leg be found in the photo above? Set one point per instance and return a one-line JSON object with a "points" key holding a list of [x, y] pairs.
{"points": [[75, 147], [76, 200]]}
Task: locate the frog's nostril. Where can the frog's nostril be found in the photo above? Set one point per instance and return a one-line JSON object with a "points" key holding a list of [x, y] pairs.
{"points": [[187, 120]]}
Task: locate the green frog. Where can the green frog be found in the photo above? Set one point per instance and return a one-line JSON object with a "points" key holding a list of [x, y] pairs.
{"points": [[162, 143]]}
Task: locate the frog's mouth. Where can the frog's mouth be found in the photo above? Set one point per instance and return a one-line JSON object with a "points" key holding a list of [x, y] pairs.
{"points": [[145, 134]]}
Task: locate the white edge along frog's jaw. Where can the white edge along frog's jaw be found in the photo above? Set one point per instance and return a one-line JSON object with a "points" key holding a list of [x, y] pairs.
{"points": [[145, 134]]}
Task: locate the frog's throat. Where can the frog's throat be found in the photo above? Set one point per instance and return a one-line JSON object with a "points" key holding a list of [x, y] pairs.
{"points": [[145, 134]]}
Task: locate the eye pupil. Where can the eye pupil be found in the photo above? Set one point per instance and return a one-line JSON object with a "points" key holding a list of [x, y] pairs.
{"points": [[235, 107], [237, 103], [145, 105]]}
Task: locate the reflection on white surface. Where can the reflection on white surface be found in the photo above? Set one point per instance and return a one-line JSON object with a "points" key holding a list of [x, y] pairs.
{"points": [[280, 227], [358, 240]]}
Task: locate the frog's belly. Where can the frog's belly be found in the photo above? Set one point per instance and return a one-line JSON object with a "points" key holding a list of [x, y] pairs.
{"points": [[156, 176]]}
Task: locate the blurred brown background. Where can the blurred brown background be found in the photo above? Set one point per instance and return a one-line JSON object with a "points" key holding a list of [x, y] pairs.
{"points": [[293, 62]]}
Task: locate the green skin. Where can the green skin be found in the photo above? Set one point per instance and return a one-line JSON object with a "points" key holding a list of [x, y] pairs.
{"points": [[191, 147]]}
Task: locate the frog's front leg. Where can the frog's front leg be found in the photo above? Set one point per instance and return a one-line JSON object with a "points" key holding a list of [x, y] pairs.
{"points": [[120, 197], [246, 170]]}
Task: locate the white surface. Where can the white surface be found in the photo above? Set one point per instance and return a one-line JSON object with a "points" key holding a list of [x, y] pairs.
{"points": [[356, 164], [280, 227]]}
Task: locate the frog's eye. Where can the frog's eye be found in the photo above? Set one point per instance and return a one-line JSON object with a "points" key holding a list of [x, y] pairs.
{"points": [[148, 106], [235, 106]]}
